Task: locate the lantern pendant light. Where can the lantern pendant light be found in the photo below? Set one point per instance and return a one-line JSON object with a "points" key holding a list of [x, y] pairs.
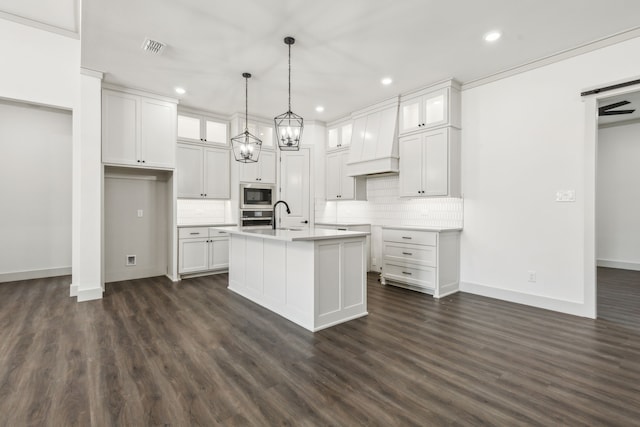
{"points": [[246, 147], [289, 125]]}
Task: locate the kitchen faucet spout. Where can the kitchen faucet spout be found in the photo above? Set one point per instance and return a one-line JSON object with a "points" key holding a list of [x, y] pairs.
{"points": [[273, 217]]}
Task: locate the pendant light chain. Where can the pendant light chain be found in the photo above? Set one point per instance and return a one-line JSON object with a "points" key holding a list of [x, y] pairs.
{"points": [[246, 104], [289, 78]]}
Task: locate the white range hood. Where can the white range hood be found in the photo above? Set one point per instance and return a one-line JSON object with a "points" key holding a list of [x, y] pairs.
{"points": [[374, 140]]}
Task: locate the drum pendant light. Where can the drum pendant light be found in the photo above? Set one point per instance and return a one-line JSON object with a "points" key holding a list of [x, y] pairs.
{"points": [[289, 125], [246, 147]]}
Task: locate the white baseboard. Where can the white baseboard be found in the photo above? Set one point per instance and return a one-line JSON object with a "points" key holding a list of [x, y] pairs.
{"points": [[73, 290], [89, 294], [34, 274], [623, 265], [568, 307]]}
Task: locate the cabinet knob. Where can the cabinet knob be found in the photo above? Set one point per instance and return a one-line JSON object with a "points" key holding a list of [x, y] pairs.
{"points": [[144, 161], [138, 161], [205, 140], [205, 194]]}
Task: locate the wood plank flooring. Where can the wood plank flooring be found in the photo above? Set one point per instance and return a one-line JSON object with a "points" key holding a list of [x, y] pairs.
{"points": [[157, 353]]}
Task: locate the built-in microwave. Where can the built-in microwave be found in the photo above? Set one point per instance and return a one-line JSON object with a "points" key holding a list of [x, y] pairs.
{"points": [[257, 196]]}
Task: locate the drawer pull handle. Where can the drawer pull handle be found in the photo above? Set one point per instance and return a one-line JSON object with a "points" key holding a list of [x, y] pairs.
{"points": [[408, 274], [407, 253], [408, 238], [194, 234], [342, 229]]}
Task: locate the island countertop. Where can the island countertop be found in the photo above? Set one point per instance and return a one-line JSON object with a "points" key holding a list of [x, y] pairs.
{"points": [[292, 235]]}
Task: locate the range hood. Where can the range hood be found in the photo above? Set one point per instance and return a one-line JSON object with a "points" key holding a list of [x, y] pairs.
{"points": [[374, 141]]}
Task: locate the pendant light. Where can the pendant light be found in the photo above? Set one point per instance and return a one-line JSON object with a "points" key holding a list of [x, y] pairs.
{"points": [[289, 125], [246, 147]]}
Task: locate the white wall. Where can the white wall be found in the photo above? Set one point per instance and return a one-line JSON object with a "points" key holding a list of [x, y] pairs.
{"points": [[618, 200], [35, 184], [523, 139], [126, 233]]}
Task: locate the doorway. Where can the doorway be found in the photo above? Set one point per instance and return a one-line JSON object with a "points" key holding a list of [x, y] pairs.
{"points": [[618, 208], [295, 188]]}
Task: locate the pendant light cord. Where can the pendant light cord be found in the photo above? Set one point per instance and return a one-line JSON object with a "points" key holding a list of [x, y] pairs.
{"points": [[289, 78], [246, 104]]}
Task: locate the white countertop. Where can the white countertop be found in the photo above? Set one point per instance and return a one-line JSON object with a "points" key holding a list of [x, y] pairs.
{"points": [[303, 234], [342, 224], [230, 224], [421, 228]]}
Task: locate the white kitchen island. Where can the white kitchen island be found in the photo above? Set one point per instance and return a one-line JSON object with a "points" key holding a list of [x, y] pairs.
{"points": [[314, 277]]}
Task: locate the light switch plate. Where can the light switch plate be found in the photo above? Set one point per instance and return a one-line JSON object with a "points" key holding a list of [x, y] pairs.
{"points": [[565, 196]]}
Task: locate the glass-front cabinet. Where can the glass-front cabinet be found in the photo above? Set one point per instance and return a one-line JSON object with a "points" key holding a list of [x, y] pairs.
{"points": [[339, 134], [202, 129]]}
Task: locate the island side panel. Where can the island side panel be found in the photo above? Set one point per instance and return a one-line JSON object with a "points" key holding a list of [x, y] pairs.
{"points": [[300, 283], [275, 277], [237, 250], [340, 288]]}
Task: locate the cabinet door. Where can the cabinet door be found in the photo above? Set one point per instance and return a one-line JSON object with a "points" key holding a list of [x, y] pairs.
{"points": [[250, 172], [193, 256], [215, 131], [333, 138], [267, 167], [435, 108], [357, 139], [410, 114], [410, 178], [189, 128], [435, 163], [120, 132], [265, 133], [294, 181], [158, 133], [218, 253], [189, 171], [347, 183], [334, 169], [216, 173], [345, 134]]}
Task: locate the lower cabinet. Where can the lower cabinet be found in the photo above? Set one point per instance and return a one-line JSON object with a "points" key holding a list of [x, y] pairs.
{"points": [[201, 250], [352, 227], [422, 260]]}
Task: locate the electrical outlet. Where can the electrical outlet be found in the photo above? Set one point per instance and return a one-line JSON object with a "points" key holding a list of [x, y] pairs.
{"points": [[565, 196], [140, 213], [532, 276]]}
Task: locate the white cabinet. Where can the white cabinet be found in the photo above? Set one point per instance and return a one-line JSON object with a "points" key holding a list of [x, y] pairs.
{"points": [[137, 130], [339, 135], [421, 260], [340, 186], [263, 129], [435, 106], [201, 250], [203, 172], [430, 163], [264, 170], [351, 227], [198, 128]]}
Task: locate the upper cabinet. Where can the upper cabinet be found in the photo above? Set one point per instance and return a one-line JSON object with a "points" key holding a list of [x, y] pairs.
{"points": [[436, 106], [339, 185], [263, 171], [138, 130], [202, 172], [339, 134], [197, 128], [263, 129]]}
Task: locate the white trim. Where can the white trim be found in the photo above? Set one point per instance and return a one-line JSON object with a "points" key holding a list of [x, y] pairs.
{"points": [[41, 25], [569, 307], [73, 290], [139, 92], [91, 73], [622, 265], [620, 123], [556, 57], [90, 294], [34, 274]]}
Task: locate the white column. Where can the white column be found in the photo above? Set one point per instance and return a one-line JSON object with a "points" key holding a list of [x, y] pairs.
{"points": [[86, 257]]}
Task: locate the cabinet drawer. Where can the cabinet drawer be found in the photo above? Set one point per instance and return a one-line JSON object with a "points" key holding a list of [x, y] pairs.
{"points": [[418, 276], [424, 255], [193, 232], [410, 236], [218, 233]]}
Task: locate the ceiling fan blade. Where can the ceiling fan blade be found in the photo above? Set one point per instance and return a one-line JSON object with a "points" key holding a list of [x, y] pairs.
{"points": [[615, 113], [615, 105]]}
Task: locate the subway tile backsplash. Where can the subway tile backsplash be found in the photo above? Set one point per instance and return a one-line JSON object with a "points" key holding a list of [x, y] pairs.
{"points": [[196, 212], [384, 207]]}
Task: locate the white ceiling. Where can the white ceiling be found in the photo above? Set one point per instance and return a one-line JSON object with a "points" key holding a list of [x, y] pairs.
{"points": [[343, 48]]}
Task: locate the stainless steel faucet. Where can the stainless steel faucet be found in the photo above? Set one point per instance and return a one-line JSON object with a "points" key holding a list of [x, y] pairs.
{"points": [[273, 217]]}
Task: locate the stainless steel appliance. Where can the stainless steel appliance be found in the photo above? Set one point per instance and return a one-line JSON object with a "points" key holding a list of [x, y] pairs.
{"points": [[256, 218], [257, 196]]}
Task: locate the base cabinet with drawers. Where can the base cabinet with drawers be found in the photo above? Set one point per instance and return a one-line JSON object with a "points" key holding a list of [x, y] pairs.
{"points": [[421, 259], [202, 250]]}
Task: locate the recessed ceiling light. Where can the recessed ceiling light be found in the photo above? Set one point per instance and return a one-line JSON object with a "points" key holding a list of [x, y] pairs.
{"points": [[319, 108], [492, 36], [386, 81], [180, 91]]}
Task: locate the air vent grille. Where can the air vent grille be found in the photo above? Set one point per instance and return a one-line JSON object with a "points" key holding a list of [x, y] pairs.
{"points": [[153, 46]]}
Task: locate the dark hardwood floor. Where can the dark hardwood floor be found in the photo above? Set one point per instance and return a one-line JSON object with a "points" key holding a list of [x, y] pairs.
{"points": [[157, 353]]}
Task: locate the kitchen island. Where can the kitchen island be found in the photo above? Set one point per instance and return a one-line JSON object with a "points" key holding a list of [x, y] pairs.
{"points": [[313, 277]]}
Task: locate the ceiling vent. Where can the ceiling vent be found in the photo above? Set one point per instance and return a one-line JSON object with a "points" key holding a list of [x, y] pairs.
{"points": [[153, 46]]}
